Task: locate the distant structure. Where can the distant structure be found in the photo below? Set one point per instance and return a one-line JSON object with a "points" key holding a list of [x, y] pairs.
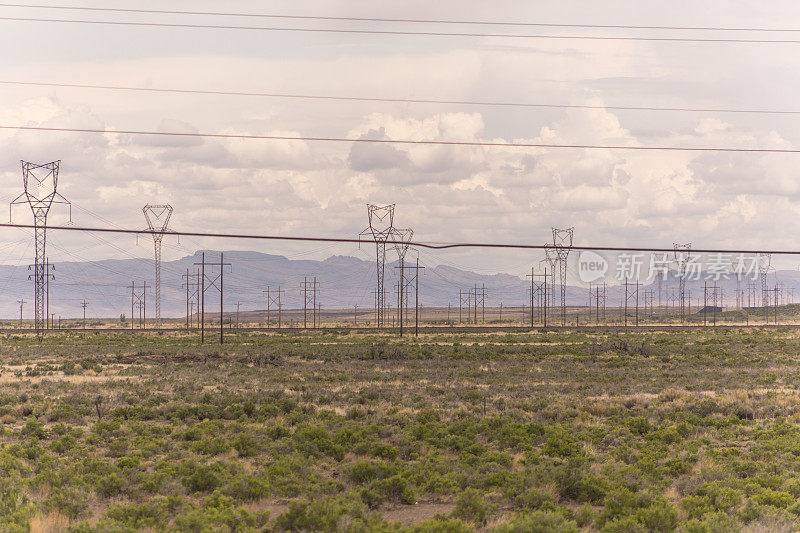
{"points": [[562, 243], [157, 217], [403, 238], [682, 256], [764, 261], [381, 229], [40, 183]]}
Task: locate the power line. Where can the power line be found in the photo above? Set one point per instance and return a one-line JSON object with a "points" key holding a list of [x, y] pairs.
{"points": [[397, 100], [398, 32], [402, 20], [430, 245], [410, 141]]}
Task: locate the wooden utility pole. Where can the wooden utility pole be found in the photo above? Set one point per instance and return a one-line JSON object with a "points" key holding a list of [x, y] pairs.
{"points": [[274, 298], [310, 287], [84, 304], [218, 283], [21, 303]]}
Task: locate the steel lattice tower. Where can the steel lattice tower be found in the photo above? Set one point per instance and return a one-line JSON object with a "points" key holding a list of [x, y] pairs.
{"points": [[764, 261], [381, 220], [551, 258], [402, 239], [40, 184], [562, 241], [157, 217], [682, 255]]}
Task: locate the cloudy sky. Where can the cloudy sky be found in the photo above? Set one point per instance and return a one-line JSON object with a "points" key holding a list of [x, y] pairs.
{"points": [[445, 193]]}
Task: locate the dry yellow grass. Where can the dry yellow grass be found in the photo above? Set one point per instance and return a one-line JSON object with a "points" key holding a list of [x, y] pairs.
{"points": [[52, 522]]}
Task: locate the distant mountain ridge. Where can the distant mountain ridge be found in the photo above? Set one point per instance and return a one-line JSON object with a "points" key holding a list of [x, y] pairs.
{"points": [[344, 281]]}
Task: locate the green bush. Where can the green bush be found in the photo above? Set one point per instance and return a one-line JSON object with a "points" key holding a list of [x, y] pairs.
{"points": [[396, 489], [538, 522], [470, 506]]}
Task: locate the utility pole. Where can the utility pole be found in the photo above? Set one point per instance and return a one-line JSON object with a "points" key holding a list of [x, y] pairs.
{"points": [[310, 289], [202, 297], [133, 297], [84, 304], [415, 280], [21, 303], [48, 275], [192, 284], [237, 314], [355, 315], [416, 299], [139, 300], [40, 184], [157, 217], [537, 290], [274, 298], [216, 281], [186, 277]]}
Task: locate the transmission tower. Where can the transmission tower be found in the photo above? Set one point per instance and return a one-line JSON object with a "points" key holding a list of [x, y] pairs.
{"points": [[40, 183], [551, 259], [562, 241], [157, 217], [682, 256], [402, 238], [763, 267], [381, 220]]}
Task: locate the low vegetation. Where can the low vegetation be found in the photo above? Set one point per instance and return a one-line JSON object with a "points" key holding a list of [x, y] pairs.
{"points": [[589, 431]]}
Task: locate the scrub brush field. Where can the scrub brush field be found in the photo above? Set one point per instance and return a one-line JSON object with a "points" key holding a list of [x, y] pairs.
{"points": [[542, 431]]}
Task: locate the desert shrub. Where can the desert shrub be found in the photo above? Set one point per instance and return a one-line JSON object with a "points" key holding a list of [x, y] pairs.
{"points": [[319, 515], [247, 488], [775, 498], [624, 524], [538, 522], [201, 477], [711, 523], [470, 506], [562, 444], [151, 514], [33, 428], [639, 425], [532, 499], [69, 501], [396, 489], [660, 517], [15, 510], [362, 472], [211, 446], [245, 445], [442, 525], [621, 503], [219, 510]]}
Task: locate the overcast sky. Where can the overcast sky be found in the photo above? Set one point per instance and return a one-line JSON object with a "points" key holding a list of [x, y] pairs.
{"points": [[614, 198]]}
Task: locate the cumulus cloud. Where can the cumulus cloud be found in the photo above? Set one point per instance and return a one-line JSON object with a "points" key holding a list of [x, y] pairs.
{"points": [[443, 192], [368, 157]]}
